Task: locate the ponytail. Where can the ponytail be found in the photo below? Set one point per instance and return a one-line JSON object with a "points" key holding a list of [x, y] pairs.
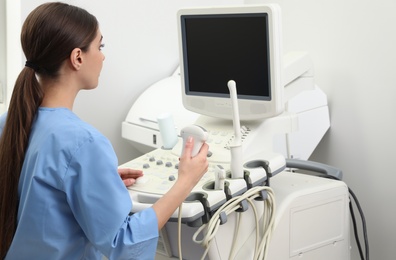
{"points": [[26, 99]]}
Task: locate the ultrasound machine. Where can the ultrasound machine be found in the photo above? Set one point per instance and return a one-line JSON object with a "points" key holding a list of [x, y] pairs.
{"points": [[262, 116]]}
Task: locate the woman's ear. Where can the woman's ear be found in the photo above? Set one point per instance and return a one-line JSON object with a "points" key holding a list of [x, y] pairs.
{"points": [[76, 58]]}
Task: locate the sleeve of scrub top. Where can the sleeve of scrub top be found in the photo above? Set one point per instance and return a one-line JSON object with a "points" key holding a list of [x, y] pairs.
{"points": [[3, 118], [101, 204]]}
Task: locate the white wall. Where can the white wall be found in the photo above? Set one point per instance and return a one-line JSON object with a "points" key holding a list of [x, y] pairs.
{"points": [[352, 47], [352, 44], [3, 77]]}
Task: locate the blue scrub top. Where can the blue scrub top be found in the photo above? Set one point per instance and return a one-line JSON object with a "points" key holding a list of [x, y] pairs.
{"points": [[73, 204]]}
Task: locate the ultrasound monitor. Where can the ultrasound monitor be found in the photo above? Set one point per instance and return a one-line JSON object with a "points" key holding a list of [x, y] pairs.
{"points": [[241, 43]]}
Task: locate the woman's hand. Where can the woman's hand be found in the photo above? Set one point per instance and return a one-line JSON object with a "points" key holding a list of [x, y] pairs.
{"points": [[191, 169], [129, 176]]}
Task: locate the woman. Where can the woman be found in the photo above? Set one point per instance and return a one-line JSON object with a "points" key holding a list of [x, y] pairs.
{"points": [[61, 194]]}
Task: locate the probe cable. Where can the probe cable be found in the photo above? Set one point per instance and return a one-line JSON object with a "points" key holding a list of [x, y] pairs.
{"points": [[179, 232], [232, 205], [355, 228]]}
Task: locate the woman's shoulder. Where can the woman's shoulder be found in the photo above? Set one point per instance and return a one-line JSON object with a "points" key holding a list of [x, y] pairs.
{"points": [[63, 123]]}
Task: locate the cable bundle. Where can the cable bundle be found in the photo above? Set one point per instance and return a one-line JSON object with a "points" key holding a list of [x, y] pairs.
{"points": [[234, 205]]}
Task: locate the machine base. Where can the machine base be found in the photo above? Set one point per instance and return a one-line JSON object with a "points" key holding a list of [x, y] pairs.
{"points": [[312, 222]]}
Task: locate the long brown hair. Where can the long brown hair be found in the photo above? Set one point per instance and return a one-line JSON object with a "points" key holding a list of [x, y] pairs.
{"points": [[49, 34]]}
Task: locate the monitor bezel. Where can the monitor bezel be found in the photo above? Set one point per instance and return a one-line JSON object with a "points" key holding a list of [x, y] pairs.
{"points": [[219, 105]]}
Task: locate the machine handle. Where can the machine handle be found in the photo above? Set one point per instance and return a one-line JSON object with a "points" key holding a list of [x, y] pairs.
{"points": [[315, 167]]}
